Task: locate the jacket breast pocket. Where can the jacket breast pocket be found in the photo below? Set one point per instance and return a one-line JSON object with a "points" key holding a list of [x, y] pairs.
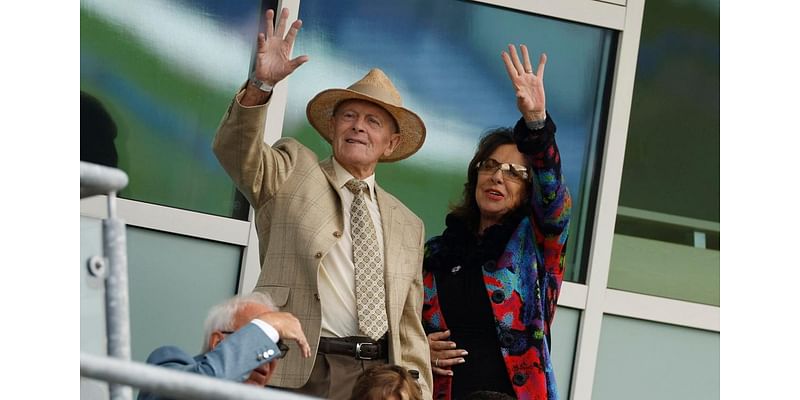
{"points": [[279, 294]]}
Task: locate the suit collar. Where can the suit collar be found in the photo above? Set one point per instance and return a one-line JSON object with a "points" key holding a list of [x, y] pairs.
{"points": [[388, 209], [341, 176], [330, 173]]}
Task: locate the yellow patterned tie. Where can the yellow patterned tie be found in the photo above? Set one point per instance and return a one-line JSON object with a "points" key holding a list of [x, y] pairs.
{"points": [[368, 262]]}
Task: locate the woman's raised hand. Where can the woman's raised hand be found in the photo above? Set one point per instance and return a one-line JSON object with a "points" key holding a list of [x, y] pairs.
{"points": [[529, 87]]}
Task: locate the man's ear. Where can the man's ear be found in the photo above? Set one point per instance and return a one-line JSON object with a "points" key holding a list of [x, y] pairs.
{"points": [[393, 143], [214, 340]]}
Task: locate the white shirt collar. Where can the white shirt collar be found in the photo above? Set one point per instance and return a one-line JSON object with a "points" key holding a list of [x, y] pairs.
{"points": [[342, 176]]}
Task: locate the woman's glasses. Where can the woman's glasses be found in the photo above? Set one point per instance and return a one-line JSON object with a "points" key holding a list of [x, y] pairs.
{"points": [[514, 172]]}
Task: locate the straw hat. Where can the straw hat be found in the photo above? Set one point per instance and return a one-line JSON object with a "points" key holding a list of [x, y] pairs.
{"points": [[377, 88]]}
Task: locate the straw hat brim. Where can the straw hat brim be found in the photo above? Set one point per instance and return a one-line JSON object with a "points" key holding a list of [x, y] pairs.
{"points": [[411, 128]]}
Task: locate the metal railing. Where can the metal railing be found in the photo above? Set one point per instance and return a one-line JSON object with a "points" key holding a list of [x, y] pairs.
{"points": [[98, 179], [668, 228], [113, 266], [175, 384], [117, 368]]}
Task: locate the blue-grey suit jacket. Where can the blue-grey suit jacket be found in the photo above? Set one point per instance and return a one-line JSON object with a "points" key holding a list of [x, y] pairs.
{"points": [[233, 358]]}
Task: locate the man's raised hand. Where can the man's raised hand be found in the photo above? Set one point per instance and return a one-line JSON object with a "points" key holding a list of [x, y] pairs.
{"points": [[274, 49]]}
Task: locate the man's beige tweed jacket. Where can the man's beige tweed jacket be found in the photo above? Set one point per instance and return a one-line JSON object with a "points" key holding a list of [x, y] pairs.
{"points": [[299, 218]]}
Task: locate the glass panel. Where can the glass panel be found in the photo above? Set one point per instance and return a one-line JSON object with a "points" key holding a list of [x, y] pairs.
{"points": [[646, 360], [564, 335], [93, 312], [444, 58], [93, 306], [668, 236], [172, 291], [159, 75], [664, 269]]}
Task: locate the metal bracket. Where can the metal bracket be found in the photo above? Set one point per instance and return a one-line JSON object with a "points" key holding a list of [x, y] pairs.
{"points": [[97, 266]]}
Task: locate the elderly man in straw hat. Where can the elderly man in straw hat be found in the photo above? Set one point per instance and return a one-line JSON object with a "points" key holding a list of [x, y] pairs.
{"points": [[337, 251]]}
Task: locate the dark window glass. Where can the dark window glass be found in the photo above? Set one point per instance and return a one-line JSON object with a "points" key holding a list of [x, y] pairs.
{"points": [[161, 74]]}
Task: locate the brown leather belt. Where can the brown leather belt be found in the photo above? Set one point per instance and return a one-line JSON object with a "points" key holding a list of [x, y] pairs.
{"points": [[361, 348]]}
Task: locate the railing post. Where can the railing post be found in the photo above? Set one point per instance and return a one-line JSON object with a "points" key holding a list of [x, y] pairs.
{"points": [[98, 179], [117, 304]]}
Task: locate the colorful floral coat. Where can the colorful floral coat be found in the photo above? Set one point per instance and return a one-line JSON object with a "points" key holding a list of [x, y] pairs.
{"points": [[524, 284]]}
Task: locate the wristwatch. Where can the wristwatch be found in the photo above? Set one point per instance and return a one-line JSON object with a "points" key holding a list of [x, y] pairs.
{"points": [[261, 85]]}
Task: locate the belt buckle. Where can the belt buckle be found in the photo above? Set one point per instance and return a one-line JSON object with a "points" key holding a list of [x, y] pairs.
{"points": [[358, 352]]}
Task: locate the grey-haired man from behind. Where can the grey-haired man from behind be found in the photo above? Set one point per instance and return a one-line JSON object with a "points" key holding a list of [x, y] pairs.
{"points": [[241, 343]]}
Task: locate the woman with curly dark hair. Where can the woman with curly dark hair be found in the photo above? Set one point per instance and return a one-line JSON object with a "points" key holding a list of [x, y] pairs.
{"points": [[493, 277]]}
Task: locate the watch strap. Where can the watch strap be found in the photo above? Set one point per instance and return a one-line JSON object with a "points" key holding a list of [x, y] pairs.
{"points": [[261, 85]]}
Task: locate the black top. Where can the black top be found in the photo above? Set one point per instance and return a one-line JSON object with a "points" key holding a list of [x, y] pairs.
{"points": [[458, 269]]}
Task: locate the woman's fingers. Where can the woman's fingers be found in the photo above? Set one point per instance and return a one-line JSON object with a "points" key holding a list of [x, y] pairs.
{"points": [[526, 59], [515, 59], [512, 72], [442, 371], [444, 354], [441, 335], [447, 354], [442, 345], [449, 362]]}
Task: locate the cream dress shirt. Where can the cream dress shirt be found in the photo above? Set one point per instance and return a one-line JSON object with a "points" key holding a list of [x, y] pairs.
{"points": [[337, 289]]}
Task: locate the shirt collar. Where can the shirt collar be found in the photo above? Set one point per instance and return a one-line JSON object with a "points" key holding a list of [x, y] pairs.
{"points": [[342, 176]]}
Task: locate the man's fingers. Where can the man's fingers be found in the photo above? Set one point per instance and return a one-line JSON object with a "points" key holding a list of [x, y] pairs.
{"points": [[293, 32], [268, 21], [262, 41], [298, 61], [304, 346], [297, 335], [281, 29], [300, 338], [288, 328]]}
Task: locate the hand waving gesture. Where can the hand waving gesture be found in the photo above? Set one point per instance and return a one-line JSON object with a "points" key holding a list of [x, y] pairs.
{"points": [[272, 55], [529, 87]]}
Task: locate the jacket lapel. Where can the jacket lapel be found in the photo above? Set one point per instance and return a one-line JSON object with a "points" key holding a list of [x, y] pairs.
{"points": [[387, 208], [327, 169], [390, 245]]}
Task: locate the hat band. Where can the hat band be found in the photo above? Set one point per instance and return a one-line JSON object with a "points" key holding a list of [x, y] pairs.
{"points": [[378, 93]]}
